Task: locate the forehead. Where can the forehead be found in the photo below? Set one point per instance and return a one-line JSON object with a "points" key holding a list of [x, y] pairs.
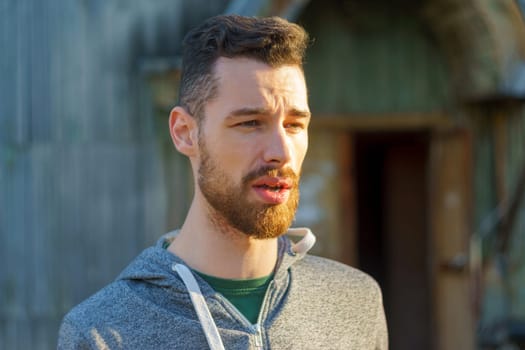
{"points": [[247, 81]]}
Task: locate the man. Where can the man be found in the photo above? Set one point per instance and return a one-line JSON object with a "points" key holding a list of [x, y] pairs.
{"points": [[230, 278]]}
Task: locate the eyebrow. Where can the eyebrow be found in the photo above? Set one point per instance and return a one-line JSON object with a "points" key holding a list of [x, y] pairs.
{"points": [[242, 112]]}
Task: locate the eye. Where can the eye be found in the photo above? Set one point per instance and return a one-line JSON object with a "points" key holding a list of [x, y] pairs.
{"points": [[250, 123], [294, 127]]}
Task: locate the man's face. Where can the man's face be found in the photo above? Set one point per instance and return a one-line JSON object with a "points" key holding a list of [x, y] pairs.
{"points": [[252, 144]]}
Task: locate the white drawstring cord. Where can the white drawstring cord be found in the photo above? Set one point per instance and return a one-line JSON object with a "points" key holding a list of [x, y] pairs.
{"points": [[208, 325]]}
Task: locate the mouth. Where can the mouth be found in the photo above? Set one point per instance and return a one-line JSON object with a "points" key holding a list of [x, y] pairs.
{"points": [[270, 188], [273, 183], [273, 190]]}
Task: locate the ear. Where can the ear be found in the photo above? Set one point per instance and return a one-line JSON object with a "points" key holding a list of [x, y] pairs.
{"points": [[184, 131]]}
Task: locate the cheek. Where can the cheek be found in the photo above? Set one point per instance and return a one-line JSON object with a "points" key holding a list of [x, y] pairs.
{"points": [[235, 159]]}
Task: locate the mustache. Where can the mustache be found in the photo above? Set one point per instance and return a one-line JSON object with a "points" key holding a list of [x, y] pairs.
{"points": [[272, 172]]}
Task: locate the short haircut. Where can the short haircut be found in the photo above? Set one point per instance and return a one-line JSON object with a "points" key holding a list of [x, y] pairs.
{"points": [[271, 40]]}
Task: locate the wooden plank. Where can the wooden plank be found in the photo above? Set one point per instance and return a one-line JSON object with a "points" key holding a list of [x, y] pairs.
{"points": [[450, 222], [517, 241], [499, 130]]}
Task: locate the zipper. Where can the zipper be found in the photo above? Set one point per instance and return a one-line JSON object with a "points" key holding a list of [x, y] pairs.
{"points": [[258, 335], [257, 327]]}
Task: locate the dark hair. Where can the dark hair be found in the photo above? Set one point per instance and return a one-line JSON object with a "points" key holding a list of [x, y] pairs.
{"points": [[271, 40]]}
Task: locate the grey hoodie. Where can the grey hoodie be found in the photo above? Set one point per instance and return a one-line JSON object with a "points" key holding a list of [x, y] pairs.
{"points": [[312, 303]]}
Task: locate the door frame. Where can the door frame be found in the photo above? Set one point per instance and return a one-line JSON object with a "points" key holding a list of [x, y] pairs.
{"points": [[449, 212]]}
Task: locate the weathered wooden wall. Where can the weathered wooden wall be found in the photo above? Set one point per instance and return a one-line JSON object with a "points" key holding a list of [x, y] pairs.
{"points": [[87, 181], [369, 62], [82, 183], [500, 161], [374, 61], [363, 64], [515, 168]]}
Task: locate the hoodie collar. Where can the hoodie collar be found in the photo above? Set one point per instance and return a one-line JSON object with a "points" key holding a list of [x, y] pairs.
{"points": [[154, 264], [292, 247]]}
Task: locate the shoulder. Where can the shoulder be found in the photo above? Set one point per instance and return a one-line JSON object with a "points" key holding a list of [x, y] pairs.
{"points": [[323, 269], [320, 277], [333, 296], [78, 324], [99, 306], [117, 314]]}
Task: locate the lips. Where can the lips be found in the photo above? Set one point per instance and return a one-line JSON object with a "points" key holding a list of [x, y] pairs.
{"points": [[273, 190], [273, 182]]}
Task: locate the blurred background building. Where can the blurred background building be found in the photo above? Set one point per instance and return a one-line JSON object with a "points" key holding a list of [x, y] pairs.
{"points": [[415, 172]]}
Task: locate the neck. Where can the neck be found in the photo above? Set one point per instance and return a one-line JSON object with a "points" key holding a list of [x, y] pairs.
{"points": [[215, 248]]}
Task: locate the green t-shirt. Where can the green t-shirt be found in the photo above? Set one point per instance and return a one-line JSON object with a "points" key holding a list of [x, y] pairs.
{"points": [[246, 294]]}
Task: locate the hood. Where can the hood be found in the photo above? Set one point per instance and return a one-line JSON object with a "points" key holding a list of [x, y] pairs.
{"points": [[154, 265]]}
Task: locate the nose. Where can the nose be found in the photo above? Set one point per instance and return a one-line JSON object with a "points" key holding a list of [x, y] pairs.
{"points": [[278, 147]]}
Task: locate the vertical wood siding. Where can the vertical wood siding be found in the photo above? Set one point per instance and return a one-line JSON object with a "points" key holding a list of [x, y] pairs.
{"points": [[516, 164], [372, 62], [388, 63], [503, 292], [82, 184]]}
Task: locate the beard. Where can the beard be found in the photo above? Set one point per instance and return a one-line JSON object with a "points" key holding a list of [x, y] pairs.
{"points": [[229, 202]]}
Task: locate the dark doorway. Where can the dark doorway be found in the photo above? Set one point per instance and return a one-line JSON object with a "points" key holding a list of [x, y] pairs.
{"points": [[392, 200]]}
